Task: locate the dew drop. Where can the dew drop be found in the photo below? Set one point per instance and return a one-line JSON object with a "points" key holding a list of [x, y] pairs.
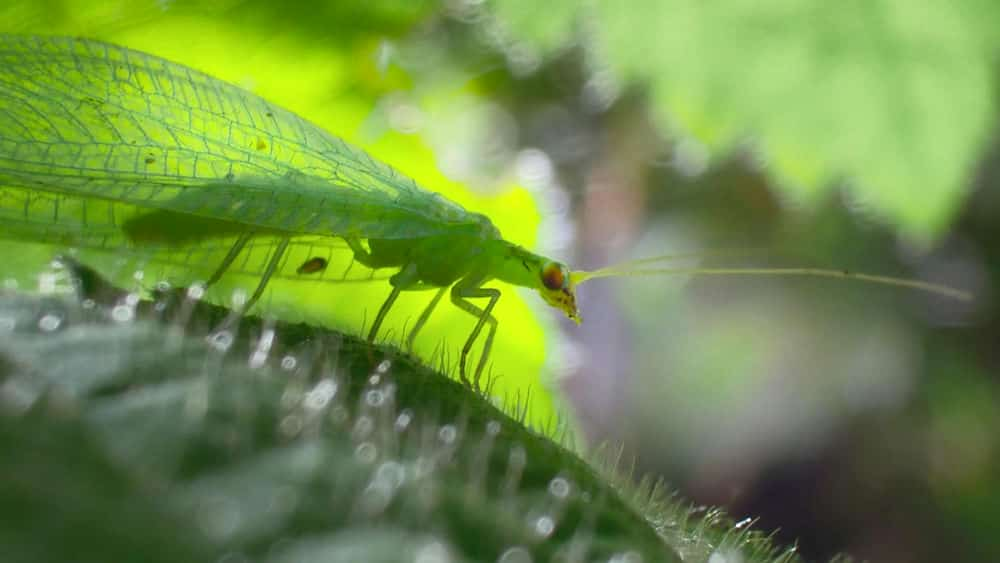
{"points": [[363, 426], [391, 473], [288, 363], [403, 420], [319, 396], [366, 452], [423, 467], [196, 292], [544, 526], [383, 366], [515, 554], [266, 339], [258, 359], [432, 552], [447, 434], [726, 556], [559, 488], [122, 313], [47, 283], [493, 428], [138, 275], [375, 497], [375, 398], [162, 286], [518, 457], [626, 557], [743, 523], [221, 340], [238, 297], [49, 322]]}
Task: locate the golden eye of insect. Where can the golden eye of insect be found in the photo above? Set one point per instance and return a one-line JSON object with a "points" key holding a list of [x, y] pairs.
{"points": [[312, 265], [553, 276]]}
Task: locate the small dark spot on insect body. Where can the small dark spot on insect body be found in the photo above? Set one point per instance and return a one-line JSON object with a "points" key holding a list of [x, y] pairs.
{"points": [[525, 264], [312, 266], [261, 145], [150, 159]]}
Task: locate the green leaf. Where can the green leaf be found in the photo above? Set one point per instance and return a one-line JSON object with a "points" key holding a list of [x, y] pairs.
{"points": [[893, 97], [313, 445]]}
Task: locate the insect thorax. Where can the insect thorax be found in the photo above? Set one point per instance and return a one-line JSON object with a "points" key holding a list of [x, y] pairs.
{"points": [[440, 260]]}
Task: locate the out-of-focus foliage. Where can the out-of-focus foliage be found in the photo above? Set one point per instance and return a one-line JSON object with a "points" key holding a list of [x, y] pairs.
{"points": [[139, 439], [893, 99]]}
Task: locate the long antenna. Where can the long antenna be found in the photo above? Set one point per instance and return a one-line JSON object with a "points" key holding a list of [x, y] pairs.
{"points": [[621, 270]]}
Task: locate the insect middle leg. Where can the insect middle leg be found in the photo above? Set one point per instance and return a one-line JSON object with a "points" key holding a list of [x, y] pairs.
{"points": [[460, 293], [404, 279], [422, 319]]}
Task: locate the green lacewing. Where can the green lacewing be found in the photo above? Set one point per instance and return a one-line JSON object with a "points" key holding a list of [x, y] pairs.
{"points": [[106, 147]]}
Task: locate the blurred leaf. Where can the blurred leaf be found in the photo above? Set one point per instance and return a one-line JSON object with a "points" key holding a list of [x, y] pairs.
{"points": [[895, 97], [152, 428]]}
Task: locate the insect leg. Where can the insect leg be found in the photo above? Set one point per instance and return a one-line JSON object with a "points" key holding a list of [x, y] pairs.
{"points": [[460, 293], [422, 319], [360, 254], [382, 312], [404, 279], [272, 265], [237, 247]]}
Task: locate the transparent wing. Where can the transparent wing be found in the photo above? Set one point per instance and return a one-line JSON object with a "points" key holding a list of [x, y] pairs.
{"points": [[88, 118], [94, 225]]}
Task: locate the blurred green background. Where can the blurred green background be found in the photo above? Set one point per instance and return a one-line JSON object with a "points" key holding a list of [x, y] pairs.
{"points": [[860, 135]]}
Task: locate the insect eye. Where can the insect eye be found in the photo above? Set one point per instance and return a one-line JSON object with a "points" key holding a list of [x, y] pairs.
{"points": [[553, 276]]}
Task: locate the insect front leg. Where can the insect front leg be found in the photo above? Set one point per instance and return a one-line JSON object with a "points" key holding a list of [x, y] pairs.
{"points": [[469, 288], [234, 251], [272, 265]]}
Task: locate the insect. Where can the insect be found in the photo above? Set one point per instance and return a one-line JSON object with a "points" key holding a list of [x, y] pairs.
{"points": [[107, 147]]}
